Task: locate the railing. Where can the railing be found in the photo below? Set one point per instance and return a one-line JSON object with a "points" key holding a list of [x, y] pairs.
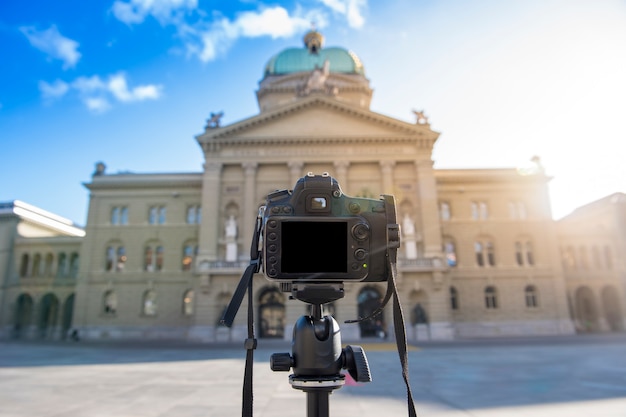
{"points": [[419, 264]]}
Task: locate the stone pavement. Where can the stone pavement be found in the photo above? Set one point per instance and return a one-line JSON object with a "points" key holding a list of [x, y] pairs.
{"points": [[554, 376]]}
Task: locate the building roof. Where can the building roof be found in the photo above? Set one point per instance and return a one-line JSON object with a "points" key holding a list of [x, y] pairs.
{"points": [[42, 218], [312, 56]]}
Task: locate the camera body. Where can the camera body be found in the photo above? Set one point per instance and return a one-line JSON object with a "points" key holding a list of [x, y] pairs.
{"points": [[315, 233]]}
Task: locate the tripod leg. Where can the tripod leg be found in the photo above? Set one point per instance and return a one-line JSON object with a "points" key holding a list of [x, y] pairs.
{"points": [[317, 403]]}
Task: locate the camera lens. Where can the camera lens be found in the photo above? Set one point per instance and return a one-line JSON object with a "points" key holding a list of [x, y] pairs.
{"points": [[360, 231]]}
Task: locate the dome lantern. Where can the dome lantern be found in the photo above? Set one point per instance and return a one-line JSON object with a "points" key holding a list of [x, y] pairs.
{"points": [[313, 41]]}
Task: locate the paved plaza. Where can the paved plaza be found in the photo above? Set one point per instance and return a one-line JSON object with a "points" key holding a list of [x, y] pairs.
{"points": [[556, 376]]}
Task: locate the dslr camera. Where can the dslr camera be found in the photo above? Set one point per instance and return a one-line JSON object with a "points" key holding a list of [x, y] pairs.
{"points": [[317, 234]]}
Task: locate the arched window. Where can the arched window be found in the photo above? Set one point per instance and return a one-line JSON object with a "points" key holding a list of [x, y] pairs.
{"points": [[608, 258], [485, 253], [454, 298], [597, 259], [449, 250], [531, 296], [121, 259], [149, 307], [48, 265], [109, 303], [153, 257], [582, 258], [24, 265], [189, 254], [115, 258], [188, 303], [74, 265], [479, 251], [62, 265], [491, 297], [524, 253], [369, 300], [272, 313], [37, 265]]}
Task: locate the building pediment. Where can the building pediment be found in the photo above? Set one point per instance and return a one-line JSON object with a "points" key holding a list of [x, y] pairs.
{"points": [[316, 118]]}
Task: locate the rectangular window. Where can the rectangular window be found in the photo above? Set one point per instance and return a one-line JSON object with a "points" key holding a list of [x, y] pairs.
{"points": [[194, 214], [480, 210], [119, 215], [156, 215]]}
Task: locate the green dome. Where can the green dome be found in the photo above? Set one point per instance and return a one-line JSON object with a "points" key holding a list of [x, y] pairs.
{"points": [[313, 55]]}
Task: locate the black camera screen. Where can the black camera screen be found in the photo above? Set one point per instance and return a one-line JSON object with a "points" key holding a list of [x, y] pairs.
{"points": [[312, 247]]}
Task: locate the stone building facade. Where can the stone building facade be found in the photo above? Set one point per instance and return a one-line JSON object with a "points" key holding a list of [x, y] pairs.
{"points": [[163, 253], [591, 240]]}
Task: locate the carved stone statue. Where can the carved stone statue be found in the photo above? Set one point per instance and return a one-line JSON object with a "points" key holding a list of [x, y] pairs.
{"points": [[230, 233], [421, 117], [230, 229], [317, 81], [409, 237], [214, 121]]}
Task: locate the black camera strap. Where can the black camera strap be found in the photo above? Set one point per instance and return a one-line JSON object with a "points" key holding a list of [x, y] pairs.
{"points": [[245, 285], [393, 242]]}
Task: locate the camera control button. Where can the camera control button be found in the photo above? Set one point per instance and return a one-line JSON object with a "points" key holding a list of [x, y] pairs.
{"points": [[354, 208], [355, 266], [360, 231], [360, 254], [272, 236]]}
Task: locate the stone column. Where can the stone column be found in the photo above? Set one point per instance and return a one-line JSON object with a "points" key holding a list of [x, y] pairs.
{"points": [[427, 196], [295, 172], [250, 209], [210, 226], [386, 169], [341, 173]]}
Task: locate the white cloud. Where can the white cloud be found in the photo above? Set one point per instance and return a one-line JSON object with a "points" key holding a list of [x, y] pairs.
{"points": [[207, 42], [165, 11], [274, 22], [54, 90], [352, 9], [97, 93], [54, 44], [88, 84], [97, 104], [119, 88], [207, 38]]}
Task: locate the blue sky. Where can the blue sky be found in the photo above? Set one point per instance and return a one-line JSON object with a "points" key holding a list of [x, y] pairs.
{"points": [[131, 82]]}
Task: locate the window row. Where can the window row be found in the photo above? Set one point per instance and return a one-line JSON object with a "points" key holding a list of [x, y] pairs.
{"points": [[479, 210], [583, 258], [156, 214], [38, 265], [484, 253], [491, 300], [153, 257], [149, 303]]}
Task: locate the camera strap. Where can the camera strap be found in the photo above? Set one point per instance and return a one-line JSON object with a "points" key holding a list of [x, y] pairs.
{"points": [[245, 285], [393, 242]]}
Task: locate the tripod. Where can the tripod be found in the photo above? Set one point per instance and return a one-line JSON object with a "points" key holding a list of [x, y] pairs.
{"points": [[317, 358]]}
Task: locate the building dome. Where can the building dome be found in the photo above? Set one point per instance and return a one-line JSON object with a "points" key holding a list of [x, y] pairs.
{"points": [[313, 56]]}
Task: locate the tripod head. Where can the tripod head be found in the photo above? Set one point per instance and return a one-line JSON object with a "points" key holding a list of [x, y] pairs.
{"points": [[317, 357]]}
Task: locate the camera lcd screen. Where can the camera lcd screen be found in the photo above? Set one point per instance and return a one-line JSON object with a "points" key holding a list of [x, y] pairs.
{"points": [[314, 247]]}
